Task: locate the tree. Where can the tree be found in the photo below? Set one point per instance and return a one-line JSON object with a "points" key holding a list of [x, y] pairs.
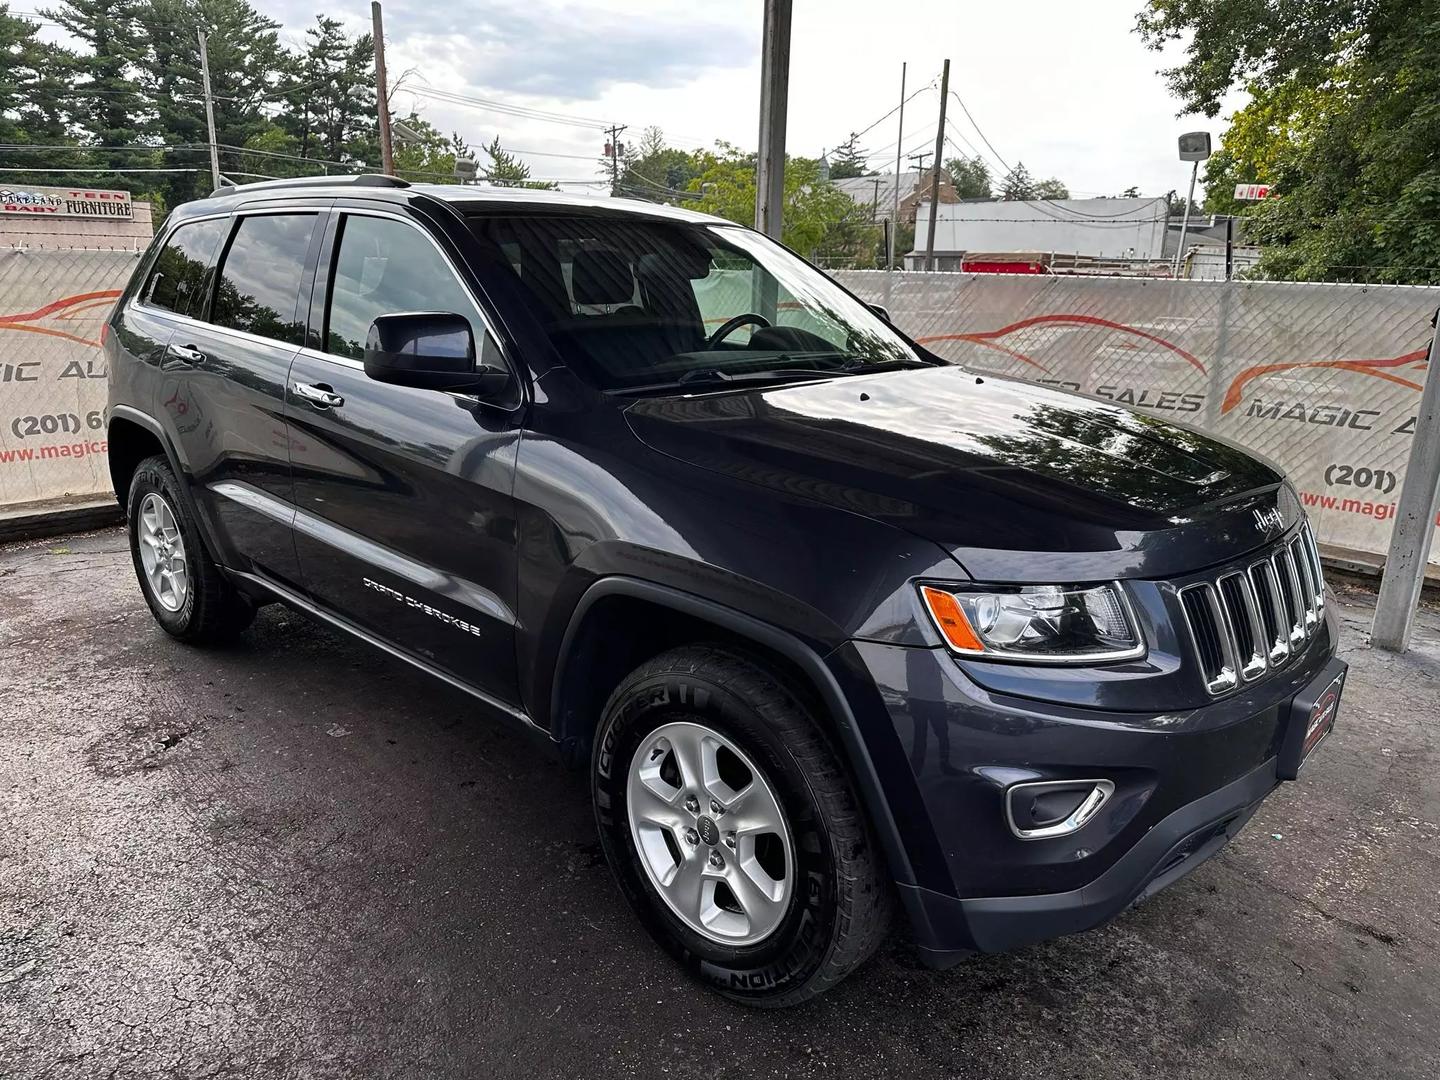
{"points": [[652, 171], [506, 170], [1051, 189], [1340, 124], [330, 95], [1018, 183], [848, 160], [971, 177], [819, 220], [33, 102], [110, 108], [1131, 192]]}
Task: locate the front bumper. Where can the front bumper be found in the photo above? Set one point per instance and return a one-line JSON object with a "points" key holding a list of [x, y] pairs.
{"points": [[1184, 784]]}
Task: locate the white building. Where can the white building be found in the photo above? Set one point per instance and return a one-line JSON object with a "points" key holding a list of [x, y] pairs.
{"points": [[1092, 228]]}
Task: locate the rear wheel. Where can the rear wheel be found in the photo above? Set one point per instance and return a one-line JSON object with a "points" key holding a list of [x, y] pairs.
{"points": [[187, 594], [733, 829]]}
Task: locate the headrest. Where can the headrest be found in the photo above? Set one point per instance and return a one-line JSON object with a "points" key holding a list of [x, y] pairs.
{"points": [[601, 276]]}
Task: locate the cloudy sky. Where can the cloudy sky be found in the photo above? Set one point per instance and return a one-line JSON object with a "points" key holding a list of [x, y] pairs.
{"points": [[1065, 87]]}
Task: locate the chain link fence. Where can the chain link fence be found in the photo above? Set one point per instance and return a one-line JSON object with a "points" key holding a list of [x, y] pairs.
{"points": [[52, 372], [1324, 379]]}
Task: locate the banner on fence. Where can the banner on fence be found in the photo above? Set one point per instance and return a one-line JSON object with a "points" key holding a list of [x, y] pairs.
{"points": [[52, 373], [1323, 379]]}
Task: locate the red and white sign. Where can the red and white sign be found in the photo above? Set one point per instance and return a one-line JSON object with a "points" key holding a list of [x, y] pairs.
{"points": [[1251, 192]]}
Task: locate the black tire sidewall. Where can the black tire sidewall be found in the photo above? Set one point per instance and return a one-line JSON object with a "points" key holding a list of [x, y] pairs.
{"points": [[153, 478], [788, 958]]}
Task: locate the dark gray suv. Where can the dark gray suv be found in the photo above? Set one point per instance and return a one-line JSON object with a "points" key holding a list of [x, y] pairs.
{"points": [[836, 627]]}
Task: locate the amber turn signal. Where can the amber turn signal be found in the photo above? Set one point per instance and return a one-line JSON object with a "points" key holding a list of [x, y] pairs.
{"points": [[951, 620]]}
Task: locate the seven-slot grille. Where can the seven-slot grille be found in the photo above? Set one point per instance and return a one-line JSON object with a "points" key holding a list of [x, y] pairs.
{"points": [[1253, 618]]}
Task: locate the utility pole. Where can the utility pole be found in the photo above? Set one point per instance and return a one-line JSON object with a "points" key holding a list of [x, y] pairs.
{"points": [[920, 158], [875, 200], [899, 143], [774, 98], [614, 131], [209, 110], [1414, 526], [935, 168], [382, 94]]}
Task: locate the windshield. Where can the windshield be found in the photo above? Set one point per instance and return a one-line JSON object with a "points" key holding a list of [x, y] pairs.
{"points": [[636, 304]]}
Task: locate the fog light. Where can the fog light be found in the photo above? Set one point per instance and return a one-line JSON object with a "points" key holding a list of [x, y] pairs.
{"points": [[1045, 809]]}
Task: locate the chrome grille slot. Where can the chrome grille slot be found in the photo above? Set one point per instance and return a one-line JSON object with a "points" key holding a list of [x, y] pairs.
{"points": [[1290, 595], [1211, 634], [1272, 618], [1252, 619], [1243, 615]]}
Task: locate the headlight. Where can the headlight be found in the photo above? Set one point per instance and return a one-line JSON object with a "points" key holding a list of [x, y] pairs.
{"points": [[1068, 624]]}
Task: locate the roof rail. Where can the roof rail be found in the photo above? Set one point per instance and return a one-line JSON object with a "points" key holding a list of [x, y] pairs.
{"points": [[360, 180]]}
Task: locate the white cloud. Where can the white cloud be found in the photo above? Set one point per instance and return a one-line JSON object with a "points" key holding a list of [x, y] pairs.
{"points": [[1066, 87]]}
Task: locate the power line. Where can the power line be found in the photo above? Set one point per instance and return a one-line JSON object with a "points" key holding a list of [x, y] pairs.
{"points": [[519, 111], [870, 127]]}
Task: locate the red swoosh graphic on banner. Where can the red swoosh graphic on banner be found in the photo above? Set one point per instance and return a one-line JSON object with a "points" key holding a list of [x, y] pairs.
{"points": [[986, 337], [1235, 394], [65, 306]]}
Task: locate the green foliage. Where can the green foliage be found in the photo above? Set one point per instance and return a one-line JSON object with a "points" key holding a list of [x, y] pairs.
{"points": [[34, 107], [847, 160], [653, 171], [1343, 123], [819, 221], [1051, 189], [508, 170], [1017, 183], [971, 177]]}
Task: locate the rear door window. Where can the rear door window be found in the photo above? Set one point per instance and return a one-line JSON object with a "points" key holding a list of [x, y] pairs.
{"points": [[259, 282], [177, 279]]}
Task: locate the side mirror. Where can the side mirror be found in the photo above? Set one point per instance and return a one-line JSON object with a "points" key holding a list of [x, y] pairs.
{"points": [[429, 350], [881, 310]]}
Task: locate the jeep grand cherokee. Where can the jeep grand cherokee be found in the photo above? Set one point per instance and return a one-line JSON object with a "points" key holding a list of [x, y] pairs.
{"points": [[835, 626]]}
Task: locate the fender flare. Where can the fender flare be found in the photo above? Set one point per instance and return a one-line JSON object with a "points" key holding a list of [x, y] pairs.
{"points": [[810, 662], [154, 427]]}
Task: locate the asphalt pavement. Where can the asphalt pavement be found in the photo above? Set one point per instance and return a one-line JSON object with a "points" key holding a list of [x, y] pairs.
{"points": [[296, 857]]}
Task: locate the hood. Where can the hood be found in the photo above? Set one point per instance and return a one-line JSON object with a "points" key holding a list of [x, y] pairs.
{"points": [[1017, 481]]}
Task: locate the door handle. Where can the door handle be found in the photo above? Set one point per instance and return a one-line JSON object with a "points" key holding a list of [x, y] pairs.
{"points": [[188, 353], [318, 394]]}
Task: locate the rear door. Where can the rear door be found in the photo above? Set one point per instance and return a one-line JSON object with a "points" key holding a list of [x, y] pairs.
{"points": [[223, 388], [405, 523]]}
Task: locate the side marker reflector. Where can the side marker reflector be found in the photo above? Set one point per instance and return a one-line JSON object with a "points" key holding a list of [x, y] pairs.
{"points": [[951, 620]]}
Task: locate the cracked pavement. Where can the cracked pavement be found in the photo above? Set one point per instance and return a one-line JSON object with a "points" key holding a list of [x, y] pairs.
{"points": [[296, 857]]}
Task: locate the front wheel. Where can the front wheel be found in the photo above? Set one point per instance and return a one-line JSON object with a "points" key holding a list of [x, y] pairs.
{"points": [[733, 829]]}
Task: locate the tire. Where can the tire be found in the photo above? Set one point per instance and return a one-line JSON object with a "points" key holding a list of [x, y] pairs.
{"points": [[192, 601], [837, 900]]}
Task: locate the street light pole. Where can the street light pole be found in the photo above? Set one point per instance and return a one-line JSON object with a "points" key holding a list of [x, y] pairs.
{"points": [[1185, 219]]}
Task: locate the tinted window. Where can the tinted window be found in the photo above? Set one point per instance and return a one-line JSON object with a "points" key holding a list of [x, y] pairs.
{"points": [[632, 301], [259, 284], [382, 267], [176, 280]]}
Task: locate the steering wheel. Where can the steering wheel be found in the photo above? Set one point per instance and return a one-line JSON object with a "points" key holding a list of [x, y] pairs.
{"points": [[731, 325]]}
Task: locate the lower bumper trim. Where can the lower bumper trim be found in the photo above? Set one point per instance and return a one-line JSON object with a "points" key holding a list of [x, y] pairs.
{"points": [[947, 929]]}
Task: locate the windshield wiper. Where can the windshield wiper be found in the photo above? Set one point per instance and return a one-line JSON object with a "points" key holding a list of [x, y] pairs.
{"points": [[721, 377]]}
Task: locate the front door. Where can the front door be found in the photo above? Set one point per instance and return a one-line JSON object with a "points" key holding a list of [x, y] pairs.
{"points": [[405, 524]]}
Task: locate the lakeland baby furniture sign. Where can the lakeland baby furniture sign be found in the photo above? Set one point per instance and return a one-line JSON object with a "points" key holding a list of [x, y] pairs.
{"points": [[66, 202]]}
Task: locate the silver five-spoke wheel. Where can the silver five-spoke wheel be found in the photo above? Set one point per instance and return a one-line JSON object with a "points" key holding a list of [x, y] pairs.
{"points": [[710, 833], [162, 553]]}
